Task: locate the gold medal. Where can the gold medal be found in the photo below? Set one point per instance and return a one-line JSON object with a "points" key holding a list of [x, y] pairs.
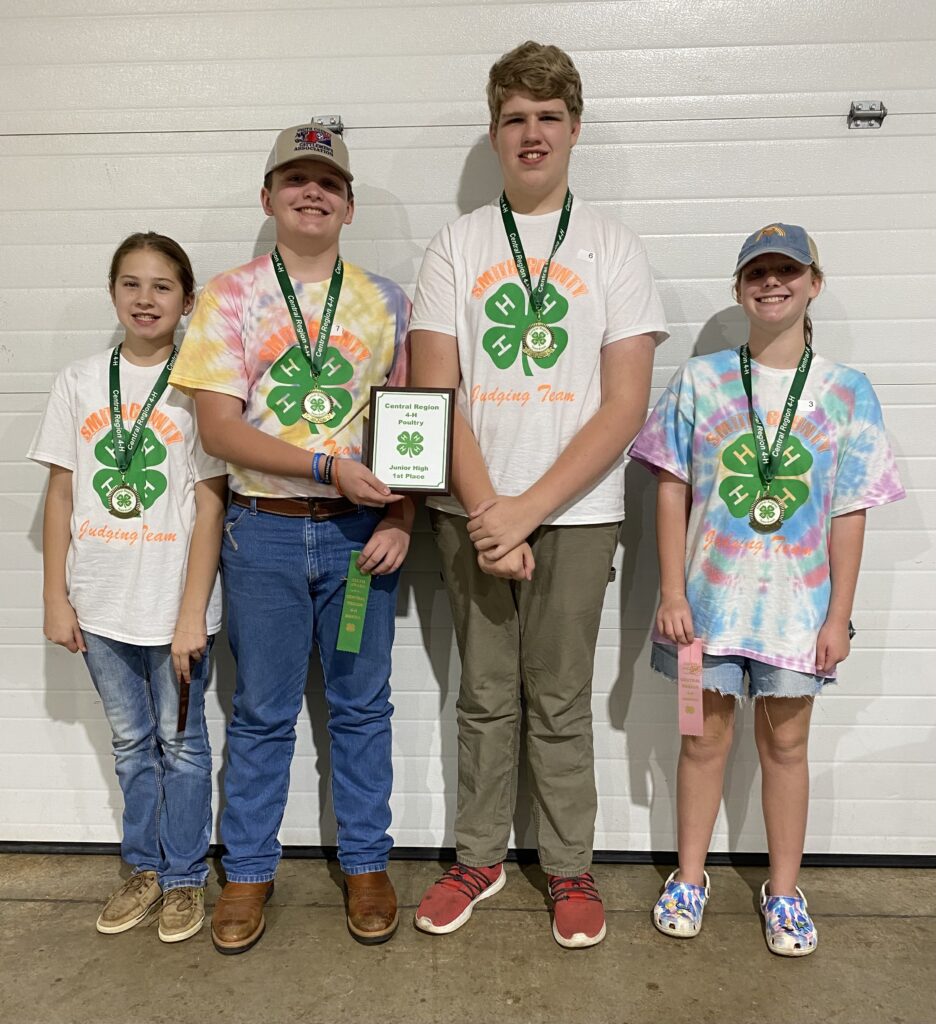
{"points": [[538, 341], [318, 406], [766, 514], [124, 502]]}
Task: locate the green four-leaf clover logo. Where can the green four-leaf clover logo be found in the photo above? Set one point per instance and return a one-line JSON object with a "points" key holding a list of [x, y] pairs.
{"points": [[294, 381], [148, 482], [538, 336], [410, 444], [509, 308], [739, 490]]}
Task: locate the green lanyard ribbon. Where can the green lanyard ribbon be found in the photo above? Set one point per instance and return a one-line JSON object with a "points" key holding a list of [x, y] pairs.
{"points": [[126, 447], [536, 294], [295, 313], [768, 459]]}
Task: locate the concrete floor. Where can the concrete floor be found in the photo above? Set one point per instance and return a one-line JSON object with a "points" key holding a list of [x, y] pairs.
{"points": [[874, 965]]}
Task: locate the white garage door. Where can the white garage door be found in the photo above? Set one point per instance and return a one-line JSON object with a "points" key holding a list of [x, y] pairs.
{"points": [[703, 121]]}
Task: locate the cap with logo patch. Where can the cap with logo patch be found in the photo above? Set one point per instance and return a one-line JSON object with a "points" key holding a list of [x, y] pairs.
{"points": [[787, 239], [310, 142]]}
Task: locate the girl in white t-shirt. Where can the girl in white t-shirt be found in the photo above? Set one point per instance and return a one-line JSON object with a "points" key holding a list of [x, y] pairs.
{"points": [[131, 537]]}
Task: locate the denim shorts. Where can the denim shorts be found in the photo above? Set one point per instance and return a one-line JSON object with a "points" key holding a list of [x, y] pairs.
{"points": [[724, 673]]}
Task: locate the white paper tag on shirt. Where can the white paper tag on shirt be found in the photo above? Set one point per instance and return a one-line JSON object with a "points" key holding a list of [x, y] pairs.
{"points": [[586, 254], [336, 328], [805, 405]]}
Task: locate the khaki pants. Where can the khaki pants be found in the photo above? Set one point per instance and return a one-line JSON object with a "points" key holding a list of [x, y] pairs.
{"points": [[536, 638]]}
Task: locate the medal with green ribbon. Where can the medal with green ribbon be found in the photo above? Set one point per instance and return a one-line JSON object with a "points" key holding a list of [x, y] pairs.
{"points": [[317, 406], [538, 337], [123, 501], [767, 510]]}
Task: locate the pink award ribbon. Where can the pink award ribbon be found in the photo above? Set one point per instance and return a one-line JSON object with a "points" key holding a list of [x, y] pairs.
{"points": [[689, 688]]}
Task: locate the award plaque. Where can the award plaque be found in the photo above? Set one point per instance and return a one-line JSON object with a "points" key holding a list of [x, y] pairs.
{"points": [[409, 439]]}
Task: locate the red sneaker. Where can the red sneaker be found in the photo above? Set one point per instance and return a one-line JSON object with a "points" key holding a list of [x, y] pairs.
{"points": [[578, 914], [448, 903]]}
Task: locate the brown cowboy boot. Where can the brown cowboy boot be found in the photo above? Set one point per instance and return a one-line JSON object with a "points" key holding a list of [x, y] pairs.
{"points": [[237, 922], [372, 907]]}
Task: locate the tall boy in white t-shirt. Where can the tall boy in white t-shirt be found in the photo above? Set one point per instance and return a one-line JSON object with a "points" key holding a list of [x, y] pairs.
{"points": [[542, 312]]}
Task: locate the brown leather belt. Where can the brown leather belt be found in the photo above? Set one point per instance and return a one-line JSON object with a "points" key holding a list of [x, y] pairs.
{"points": [[312, 508]]}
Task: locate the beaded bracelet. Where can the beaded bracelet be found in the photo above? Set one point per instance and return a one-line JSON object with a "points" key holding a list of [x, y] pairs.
{"points": [[335, 483]]}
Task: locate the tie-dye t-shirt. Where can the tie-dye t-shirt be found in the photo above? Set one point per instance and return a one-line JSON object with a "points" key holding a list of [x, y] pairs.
{"points": [[766, 595], [241, 342]]}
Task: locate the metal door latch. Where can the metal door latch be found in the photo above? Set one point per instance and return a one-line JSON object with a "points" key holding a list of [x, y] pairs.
{"points": [[866, 114], [332, 121]]}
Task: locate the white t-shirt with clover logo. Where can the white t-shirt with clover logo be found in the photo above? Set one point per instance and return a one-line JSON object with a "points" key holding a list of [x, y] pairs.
{"points": [[126, 576], [523, 410]]}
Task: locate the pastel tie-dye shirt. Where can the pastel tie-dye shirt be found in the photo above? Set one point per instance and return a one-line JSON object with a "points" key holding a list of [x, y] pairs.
{"points": [[241, 342], [766, 595]]}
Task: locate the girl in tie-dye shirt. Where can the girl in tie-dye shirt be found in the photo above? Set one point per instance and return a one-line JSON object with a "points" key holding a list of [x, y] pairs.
{"points": [[770, 605]]}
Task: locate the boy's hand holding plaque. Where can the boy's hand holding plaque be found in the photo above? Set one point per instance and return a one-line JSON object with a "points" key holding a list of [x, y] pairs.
{"points": [[410, 439]]}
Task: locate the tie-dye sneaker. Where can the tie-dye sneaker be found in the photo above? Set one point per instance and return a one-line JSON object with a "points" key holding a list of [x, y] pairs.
{"points": [[678, 911], [788, 927]]}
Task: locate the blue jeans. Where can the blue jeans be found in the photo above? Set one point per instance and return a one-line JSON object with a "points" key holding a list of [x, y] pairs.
{"points": [[284, 581], [724, 673], [165, 776]]}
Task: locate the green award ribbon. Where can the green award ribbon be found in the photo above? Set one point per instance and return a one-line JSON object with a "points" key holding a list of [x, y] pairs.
{"points": [[537, 338], [354, 608], [123, 502], [317, 406], [767, 510]]}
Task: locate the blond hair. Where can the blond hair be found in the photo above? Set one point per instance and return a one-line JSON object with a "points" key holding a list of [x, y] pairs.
{"points": [[538, 70]]}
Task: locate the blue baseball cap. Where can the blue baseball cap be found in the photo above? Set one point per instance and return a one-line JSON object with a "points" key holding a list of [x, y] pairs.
{"points": [[789, 239]]}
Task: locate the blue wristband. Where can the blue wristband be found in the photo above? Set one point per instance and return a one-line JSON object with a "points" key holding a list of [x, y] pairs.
{"points": [[315, 467]]}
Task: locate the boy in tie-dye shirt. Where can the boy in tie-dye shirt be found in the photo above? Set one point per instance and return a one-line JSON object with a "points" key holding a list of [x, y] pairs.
{"points": [[767, 459], [281, 356]]}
